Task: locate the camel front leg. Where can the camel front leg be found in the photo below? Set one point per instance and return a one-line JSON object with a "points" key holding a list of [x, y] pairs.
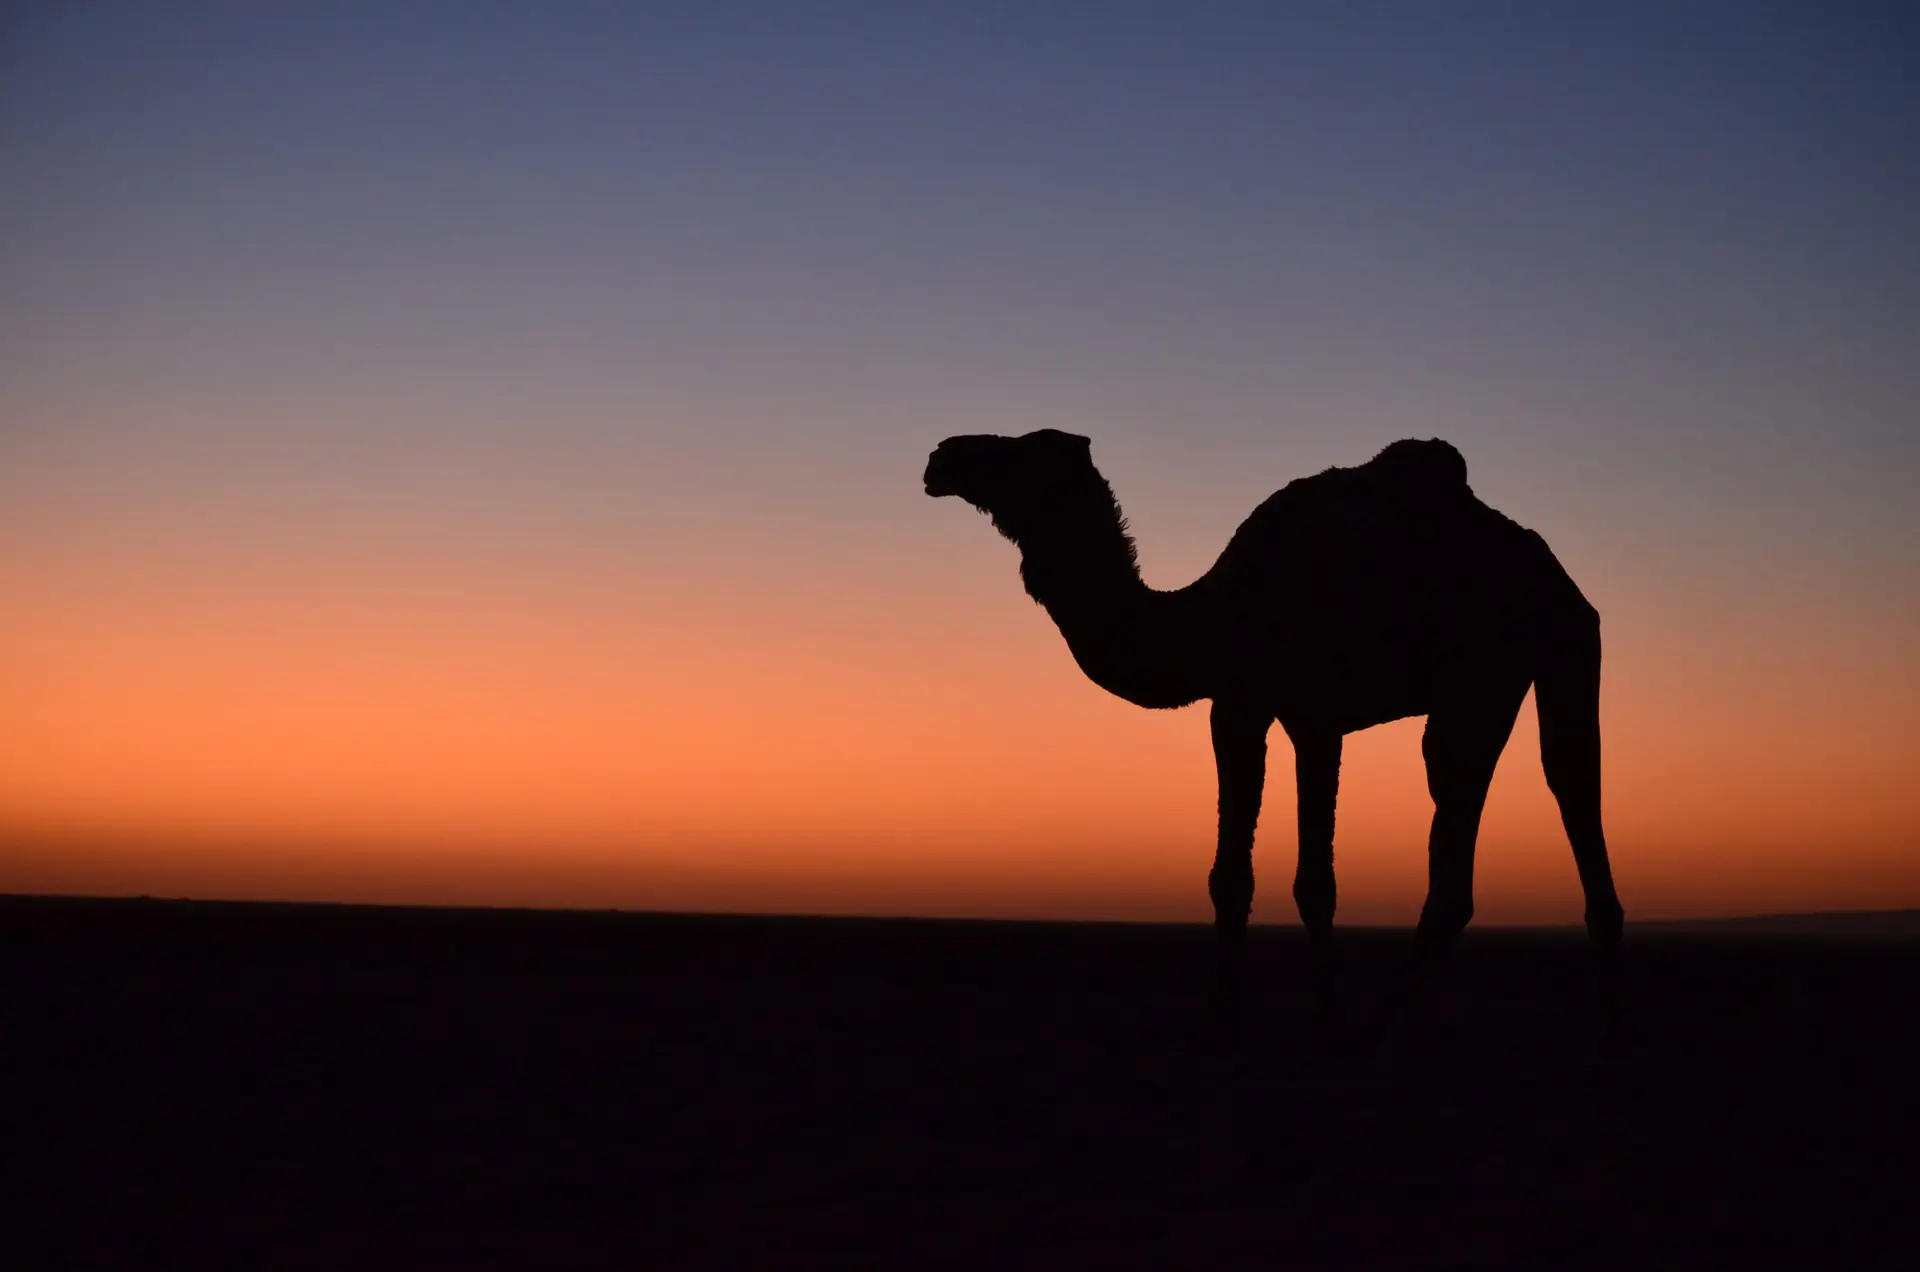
{"points": [[1240, 759], [1316, 763]]}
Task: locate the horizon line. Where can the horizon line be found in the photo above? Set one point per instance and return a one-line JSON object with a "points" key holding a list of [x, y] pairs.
{"points": [[1895, 920]]}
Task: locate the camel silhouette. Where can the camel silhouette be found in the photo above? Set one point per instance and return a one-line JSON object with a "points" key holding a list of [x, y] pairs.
{"points": [[1347, 599]]}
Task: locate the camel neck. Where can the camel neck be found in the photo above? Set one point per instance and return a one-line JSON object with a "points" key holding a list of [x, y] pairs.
{"points": [[1130, 639]]}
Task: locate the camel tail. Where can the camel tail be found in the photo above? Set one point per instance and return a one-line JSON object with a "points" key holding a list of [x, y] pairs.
{"points": [[1567, 696]]}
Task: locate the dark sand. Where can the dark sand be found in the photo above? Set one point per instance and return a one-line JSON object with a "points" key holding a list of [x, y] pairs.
{"points": [[291, 1087]]}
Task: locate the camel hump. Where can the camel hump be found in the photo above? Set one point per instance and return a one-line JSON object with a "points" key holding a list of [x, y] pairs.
{"points": [[1431, 463]]}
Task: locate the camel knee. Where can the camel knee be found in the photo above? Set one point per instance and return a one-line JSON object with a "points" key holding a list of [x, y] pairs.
{"points": [[1230, 884], [1573, 786]]}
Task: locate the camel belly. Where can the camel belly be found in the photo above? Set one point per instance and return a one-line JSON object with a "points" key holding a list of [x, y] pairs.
{"points": [[1369, 668], [1353, 630], [1358, 685]]}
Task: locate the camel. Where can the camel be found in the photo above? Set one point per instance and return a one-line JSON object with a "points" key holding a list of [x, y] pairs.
{"points": [[1347, 599]]}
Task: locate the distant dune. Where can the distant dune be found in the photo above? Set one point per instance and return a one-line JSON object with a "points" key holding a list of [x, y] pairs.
{"points": [[1850, 923], [1871, 924]]}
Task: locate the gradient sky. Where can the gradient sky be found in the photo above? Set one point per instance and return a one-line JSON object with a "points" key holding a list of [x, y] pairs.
{"points": [[471, 453]]}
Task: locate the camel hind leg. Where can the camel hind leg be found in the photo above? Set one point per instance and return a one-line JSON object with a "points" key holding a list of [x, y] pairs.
{"points": [[1462, 744], [1466, 732], [1567, 695]]}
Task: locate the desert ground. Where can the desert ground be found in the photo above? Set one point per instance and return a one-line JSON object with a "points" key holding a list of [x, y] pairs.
{"points": [[199, 1084]]}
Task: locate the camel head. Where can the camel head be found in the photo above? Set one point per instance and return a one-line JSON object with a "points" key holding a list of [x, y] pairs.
{"points": [[1018, 481]]}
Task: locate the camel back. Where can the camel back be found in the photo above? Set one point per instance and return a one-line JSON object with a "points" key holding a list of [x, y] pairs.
{"points": [[1409, 484], [1430, 465], [1379, 542]]}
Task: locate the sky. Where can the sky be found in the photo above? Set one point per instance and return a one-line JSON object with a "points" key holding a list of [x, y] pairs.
{"points": [[471, 453]]}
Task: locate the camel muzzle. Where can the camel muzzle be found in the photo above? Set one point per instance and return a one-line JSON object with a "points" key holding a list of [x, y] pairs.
{"points": [[939, 482]]}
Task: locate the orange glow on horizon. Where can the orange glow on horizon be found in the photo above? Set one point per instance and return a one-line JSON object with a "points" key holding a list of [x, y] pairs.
{"points": [[396, 739]]}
